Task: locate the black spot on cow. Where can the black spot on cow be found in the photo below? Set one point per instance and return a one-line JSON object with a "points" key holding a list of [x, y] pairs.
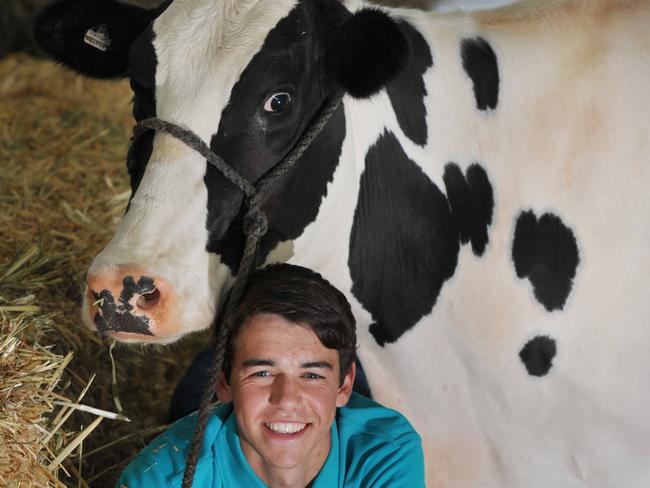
{"points": [[131, 288], [471, 201], [545, 251], [537, 355], [404, 242], [254, 142], [118, 317], [296, 200], [142, 76], [480, 64], [293, 202], [143, 64], [407, 91]]}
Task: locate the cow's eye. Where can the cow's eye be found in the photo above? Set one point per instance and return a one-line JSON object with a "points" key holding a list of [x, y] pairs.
{"points": [[277, 102]]}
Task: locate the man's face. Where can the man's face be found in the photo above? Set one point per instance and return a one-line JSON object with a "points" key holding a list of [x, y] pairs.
{"points": [[284, 386]]}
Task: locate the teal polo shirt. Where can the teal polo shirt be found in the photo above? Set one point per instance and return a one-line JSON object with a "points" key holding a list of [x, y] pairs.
{"points": [[372, 446]]}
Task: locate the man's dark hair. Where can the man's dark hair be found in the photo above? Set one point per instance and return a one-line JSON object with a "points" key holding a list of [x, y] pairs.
{"points": [[303, 297]]}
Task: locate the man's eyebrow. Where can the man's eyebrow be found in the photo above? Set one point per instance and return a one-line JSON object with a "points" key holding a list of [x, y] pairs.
{"points": [[257, 362], [317, 364], [249, 363]]}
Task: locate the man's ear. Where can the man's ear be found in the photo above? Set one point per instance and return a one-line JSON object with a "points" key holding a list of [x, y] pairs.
{"points": [[345, 390], [366, 52], [224, 394], [92, 37]]}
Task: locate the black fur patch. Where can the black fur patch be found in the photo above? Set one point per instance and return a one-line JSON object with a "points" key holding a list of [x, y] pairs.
{"points": [[545, 251], [537, 355], [253, 142], [298, 197], [142, 73], [480, 64], [471, 202], [143, 64], [407, 91], [366, 52], [404, 242], [130, 288], [59, 29], [292, 204], [117, 317]]}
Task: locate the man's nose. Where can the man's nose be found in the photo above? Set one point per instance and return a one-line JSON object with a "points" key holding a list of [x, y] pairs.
{"points": [[285, 392]]}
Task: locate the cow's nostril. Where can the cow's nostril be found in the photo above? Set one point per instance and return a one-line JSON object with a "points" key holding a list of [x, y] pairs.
{"points": [[149, 300]]}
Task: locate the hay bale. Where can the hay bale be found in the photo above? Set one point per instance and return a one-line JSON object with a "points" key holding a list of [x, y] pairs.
{"points": [[29, 374], [63, 187]]}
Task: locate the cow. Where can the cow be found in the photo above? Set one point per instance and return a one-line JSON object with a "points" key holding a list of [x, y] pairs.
{"points": [[480, 195]]}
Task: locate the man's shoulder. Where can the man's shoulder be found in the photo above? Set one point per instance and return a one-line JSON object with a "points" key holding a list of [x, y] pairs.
{"points": [[165, 456], [367, 418], [379, 446]]}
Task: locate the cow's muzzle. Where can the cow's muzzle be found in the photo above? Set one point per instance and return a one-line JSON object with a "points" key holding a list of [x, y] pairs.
{"points": [[128, 303]]}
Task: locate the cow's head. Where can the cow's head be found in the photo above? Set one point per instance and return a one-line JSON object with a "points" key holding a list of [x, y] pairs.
{"points": [[246, 76]]}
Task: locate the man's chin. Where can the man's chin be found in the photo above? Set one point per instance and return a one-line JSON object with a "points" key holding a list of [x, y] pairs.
{"points": [[279, 455], [291, 451]]}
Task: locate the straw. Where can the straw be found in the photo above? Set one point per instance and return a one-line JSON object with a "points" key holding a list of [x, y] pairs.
{"points": [[63, 189]]}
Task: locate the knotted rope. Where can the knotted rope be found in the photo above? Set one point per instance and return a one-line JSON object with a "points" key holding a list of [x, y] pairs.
{"points": [[255, 225]]}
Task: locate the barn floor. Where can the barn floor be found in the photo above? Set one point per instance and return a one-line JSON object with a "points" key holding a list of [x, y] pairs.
{"points": [[63, 188]]}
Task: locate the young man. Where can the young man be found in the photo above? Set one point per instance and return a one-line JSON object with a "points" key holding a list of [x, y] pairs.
{"points": [[290, 418]]}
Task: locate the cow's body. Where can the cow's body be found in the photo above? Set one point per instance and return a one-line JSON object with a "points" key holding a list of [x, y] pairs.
{"points": [[570, 136], [487, 214]]}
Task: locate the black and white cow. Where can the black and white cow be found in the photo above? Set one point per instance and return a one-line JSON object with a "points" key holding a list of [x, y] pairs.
{"points": [[482, 196]]}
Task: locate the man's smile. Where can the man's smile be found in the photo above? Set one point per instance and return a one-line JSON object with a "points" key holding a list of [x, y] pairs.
{"points": [[286, 428]]}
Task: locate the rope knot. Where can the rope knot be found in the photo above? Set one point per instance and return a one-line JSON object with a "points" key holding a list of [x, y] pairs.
{"points": [[255, 222]]}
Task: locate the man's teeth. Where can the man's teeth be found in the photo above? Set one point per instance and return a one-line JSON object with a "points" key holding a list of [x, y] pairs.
{"points": [[285, 428]]}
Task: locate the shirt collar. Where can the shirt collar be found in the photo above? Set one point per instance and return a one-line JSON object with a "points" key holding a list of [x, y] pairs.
{"points": [[328, 475], [232, 463]]}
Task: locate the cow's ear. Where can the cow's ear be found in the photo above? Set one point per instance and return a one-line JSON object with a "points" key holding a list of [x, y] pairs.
{"points": [[92, 37], [366, 52]]}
